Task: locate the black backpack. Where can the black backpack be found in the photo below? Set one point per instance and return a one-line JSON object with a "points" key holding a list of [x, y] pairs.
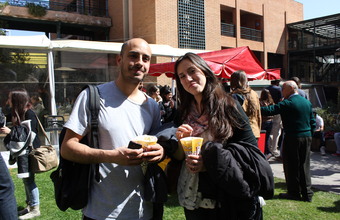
{"points": [[72, 181]]}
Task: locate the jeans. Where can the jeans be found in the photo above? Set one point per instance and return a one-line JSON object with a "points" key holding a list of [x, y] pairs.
{"points": [[32, 191], [275, 135], [8, 204], [337, 142], [320, 135]]}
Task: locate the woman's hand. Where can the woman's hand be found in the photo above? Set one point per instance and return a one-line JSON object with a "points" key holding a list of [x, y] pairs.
{"points": [[5, 130], [195, 163], [183, 131]]}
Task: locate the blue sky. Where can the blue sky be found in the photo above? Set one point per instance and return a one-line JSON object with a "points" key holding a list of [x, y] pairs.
{"points": [[319, 8], [311, 9]]}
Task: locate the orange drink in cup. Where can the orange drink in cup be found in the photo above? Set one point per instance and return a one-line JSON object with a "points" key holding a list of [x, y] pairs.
{"points": [[192, 145]]}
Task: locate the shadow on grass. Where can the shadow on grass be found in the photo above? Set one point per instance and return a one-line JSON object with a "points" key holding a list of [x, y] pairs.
{"points": [[280, 185], [335, 208], [172, 200], [19, 208]]}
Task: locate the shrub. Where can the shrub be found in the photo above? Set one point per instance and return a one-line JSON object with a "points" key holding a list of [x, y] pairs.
{"points": [[36, 10], [330, 117]]}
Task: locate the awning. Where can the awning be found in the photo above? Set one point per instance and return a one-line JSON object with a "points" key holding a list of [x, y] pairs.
{"points": [[224, 63]]}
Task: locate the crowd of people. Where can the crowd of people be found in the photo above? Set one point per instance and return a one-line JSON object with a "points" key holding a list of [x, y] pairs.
{"points": [[202, 108]]}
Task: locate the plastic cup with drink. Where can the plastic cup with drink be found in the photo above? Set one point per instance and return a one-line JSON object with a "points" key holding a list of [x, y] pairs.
{"points": [[192, 145], [144, 141]]}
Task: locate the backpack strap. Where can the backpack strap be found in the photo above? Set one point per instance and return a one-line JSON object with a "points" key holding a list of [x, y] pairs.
{"points": [[94, 106]]}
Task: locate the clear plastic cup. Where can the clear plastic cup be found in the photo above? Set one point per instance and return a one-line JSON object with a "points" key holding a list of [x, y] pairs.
{"points": [[146, 140], [192, 145]]}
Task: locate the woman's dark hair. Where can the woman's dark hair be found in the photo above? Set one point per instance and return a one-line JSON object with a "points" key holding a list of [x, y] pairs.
{"points": [[266, 97], [152, 89], [164, 91], [217, 105], [20, 103]]}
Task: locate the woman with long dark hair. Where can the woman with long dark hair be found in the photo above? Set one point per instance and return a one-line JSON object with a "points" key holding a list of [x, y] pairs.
{"points": [[248, 98], [206, 111], [19, 102]]}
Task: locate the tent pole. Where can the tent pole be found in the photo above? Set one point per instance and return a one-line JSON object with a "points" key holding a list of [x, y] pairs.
{"points": [[52, 82], [173, 84], [54, 134]]}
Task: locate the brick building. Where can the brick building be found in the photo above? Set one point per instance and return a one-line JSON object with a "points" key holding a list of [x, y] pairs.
{"points": [[209, 25], [192, 24]]}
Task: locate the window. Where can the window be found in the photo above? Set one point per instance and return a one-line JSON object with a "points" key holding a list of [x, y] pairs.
{"points": [[191, 24]]}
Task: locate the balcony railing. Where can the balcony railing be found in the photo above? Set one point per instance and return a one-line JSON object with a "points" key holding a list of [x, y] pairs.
{"points": [[227, 29], [86, 7], [251, 34]]}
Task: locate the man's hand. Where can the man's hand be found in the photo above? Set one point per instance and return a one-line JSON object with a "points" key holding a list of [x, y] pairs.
{"points": [[153, 153], [128, 157]]}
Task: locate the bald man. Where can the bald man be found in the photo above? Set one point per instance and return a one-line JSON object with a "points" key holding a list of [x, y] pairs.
{"points": [[298, 124], [125, 112]]}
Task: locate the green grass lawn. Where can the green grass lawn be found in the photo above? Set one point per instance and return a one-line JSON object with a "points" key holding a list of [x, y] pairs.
{"points": [[325, 206]]}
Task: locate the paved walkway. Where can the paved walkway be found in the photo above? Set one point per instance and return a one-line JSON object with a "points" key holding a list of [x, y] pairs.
{"points": [[325, 171]]}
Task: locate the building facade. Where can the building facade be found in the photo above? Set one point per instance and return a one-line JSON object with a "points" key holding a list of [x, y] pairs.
{"points": [[209, 25], [192, 24]]}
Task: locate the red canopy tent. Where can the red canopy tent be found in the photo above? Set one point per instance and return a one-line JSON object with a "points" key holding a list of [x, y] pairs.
{"points": [[224, 63]]}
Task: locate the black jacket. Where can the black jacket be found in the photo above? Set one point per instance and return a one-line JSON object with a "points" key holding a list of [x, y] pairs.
{"points": [[237, 173]]}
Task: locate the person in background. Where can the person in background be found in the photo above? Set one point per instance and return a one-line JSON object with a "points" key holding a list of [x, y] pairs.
{"points": [[19, 102], [319, 132], [300, 91], [206, 111], [125, 113], [141, 87], [267, 121], [154, 92], [276, 93], [298, 124], [248, 99], [8, 204], [168, 104], [337, 142], [37, 104]]}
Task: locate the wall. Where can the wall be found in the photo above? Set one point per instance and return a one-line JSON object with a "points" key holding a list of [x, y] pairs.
{"points": [[156, 21]]}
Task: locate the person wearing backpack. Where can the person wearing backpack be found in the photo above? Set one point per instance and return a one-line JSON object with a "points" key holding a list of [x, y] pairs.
{"points": [[125, 112], [206, 111], [19, 102]]}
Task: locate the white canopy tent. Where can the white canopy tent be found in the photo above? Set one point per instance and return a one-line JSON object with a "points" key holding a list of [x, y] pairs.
{"points": [[42, 43]]}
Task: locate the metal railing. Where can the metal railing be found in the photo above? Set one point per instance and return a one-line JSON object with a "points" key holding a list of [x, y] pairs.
{"points": [[228, 29], [85, 7], [251, 34]]}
